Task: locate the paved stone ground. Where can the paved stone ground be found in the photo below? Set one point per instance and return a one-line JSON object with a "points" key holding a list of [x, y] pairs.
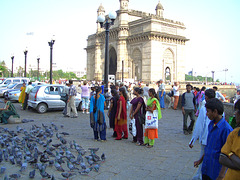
{"points": [[170, 158]]}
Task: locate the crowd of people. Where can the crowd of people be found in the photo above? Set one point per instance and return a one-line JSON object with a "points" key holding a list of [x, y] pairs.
{"points": [[220, 144]]}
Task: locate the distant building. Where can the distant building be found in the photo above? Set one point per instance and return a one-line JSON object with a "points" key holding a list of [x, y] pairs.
{"points": [[150, 46]]}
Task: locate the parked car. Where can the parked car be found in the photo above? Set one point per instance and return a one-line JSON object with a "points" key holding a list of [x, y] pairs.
{"points": [[14, 94], [8, 81], [16, 86], [45, 97]]}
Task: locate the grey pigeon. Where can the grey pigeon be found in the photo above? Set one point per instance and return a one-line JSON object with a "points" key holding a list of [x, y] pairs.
{"points": [[96, 167], [2, 170], [32, 174], [58, 166], [68, 175], [64, 133], [103, 157], [83, 165], [24, 166], [85, 171], [44, 174], [5, 154], [71, 166], [12, 160], [15, 176]]}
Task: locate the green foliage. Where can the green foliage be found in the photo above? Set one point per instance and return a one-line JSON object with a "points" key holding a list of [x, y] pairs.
{"points": [[3, 69], [197, 78]]}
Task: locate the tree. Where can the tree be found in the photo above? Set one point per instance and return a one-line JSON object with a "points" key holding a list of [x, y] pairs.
{"points": [[4, 69]]}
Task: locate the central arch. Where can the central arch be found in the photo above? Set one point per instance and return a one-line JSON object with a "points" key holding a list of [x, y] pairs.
{"points": [[112, 62], [168, 65]]}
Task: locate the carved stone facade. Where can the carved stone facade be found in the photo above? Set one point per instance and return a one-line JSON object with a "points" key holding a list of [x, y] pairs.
{"points": [[150, 47]]}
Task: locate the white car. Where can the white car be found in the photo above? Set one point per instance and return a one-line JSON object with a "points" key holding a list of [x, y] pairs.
{"points": [[44, 97]]}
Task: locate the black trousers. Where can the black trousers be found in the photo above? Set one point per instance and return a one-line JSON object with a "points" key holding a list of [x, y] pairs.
{"points": [[25, 101], [206, 177]]}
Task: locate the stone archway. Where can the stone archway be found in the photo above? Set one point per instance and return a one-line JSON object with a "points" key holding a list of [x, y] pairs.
{"points": [[167, 75], [168, 64], [112, 62], [137, 64]]}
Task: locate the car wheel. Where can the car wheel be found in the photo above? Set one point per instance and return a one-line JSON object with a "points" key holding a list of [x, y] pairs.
{"points": [[42, 108], [80, 106]]}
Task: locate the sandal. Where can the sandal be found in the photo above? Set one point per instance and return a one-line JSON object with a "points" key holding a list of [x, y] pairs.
{"points": [[139, 144], [149, 146], [134, 141]]}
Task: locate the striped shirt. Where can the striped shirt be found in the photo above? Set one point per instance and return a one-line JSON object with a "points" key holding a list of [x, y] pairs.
{"points": [[217, 136]]}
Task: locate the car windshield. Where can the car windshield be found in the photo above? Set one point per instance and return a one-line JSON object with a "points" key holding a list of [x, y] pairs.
{"points": [[35, 89], [10, 86]]}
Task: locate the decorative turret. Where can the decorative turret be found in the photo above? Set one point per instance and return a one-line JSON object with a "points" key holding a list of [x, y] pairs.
{"points": [[100, 11], [159, 9], [124, 4]]}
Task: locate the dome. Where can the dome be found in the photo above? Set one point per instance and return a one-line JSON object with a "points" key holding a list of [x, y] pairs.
{"points": [[101, 8], [159, 6]]}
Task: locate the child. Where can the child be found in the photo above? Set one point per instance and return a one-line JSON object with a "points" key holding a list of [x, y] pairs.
{"points": [[218, 131]]}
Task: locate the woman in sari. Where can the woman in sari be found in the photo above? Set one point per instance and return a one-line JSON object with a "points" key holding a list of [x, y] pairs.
{"points": [[152, 104], [97, 117], [138, 107], [22, 94], [121, 116], [113, 110]]}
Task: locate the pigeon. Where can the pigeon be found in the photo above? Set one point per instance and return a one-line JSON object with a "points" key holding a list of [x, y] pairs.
{"points": [[32, 174], [68, 175], [11, 159], [6, 177], [96, 167], [24, 166], [83, 165], [15, 176], [63, 141], [103, 157], [58, 166], [44, 158], [85, 171], [71, 166], [79, 158], [44, 174], [56, 145], [90, 162], [64, 133], [51, 162], [5, 154], [2, 170], [93, 150]]}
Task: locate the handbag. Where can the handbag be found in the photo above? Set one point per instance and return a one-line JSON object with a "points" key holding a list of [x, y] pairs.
{"points": [[132, 128], [64, 96], [151, 120], [141, 116]]}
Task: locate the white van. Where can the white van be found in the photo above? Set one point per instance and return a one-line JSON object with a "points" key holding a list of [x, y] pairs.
{"points": [[7, 81]]}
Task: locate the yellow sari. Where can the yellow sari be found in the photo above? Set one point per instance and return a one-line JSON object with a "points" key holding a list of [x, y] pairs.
{"points": [[22, 95]]}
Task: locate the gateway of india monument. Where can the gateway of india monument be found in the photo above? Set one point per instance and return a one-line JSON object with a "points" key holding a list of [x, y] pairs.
{"points": [[142, 46]]}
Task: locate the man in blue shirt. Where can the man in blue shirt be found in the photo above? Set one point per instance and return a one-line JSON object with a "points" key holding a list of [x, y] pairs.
{"points": [[218, 131]]}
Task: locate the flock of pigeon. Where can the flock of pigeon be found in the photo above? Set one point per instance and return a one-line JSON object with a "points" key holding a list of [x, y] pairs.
{"points": [[45, 147]]}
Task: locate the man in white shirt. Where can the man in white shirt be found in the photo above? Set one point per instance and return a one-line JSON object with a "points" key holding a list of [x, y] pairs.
{"points": [[201, 129], [218, 94]]}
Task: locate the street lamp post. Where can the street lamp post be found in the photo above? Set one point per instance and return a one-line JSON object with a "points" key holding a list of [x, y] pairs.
{"points": [[51, 43], [106, 24], [38, 59], [225, 74], [25, 67], [12, 65]]}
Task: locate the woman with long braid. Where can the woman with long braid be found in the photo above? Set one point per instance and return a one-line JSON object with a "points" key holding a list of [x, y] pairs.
{"points": [[97, 117]]}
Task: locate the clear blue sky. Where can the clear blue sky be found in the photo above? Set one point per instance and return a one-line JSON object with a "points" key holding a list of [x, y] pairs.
{"points": [[212, 26]]}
